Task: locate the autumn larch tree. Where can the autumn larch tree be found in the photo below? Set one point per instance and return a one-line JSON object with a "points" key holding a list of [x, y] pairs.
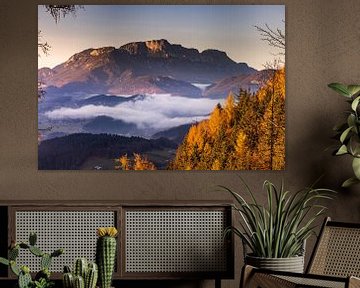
{"points": [[247, 132]]}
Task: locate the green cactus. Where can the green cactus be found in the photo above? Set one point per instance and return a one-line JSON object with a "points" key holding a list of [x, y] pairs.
{"points": [[25, 269], [68, 280], [32, 239], [106, 254], [4, 261], [45, 261], [91, 276], [67, 269], [13, 253], [24, 245], [42, 278], [87, 272], [80, 267], [24, 280], [14, 268], [36, 251], [79, 282], [57, 252]]}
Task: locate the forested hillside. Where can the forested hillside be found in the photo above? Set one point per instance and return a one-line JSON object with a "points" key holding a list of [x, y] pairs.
{"points": [[247, 133], [72, 151]]}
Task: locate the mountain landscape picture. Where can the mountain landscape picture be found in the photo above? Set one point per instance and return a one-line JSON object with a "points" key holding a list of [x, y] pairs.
{"points": [[161, 87]]}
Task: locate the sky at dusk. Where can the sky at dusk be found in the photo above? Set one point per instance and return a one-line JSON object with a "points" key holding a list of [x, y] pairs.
{"points": [[228, 28]]}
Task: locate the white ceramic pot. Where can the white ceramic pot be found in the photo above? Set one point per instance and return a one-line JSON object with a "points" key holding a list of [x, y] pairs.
{"points": [[291, 264]]}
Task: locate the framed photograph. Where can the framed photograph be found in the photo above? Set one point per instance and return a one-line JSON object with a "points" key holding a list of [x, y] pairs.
{"points": [[161, 87]]}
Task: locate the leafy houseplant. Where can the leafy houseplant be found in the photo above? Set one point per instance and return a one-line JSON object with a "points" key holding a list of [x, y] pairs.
{"points": [[279, 229], [349, 132], [42, 278]]}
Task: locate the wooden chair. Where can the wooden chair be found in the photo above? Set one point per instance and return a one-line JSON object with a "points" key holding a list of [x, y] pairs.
{"points": [[335, 262]]}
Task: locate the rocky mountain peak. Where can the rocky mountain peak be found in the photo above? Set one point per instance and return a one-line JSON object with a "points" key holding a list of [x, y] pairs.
{"points": [[158, 48], [157, 45], [115, 70], [100, 51], [215, 56]]}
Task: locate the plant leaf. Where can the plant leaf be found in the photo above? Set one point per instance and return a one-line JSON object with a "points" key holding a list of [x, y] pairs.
{"points": [[353, 89], [4, 261], [14, 268], [279, 228], [340, 88], [345, 134], [355, 103], [354, 145], [351, 120], [349, 182], [356, 167], [342, 150]]}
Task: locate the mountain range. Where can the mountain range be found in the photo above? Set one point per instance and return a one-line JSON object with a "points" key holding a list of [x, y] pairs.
{"points": [[139, 98], [155, 66]]}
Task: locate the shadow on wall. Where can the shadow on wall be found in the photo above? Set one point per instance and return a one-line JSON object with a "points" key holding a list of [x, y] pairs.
{"points": [[315, 150], [333, 169]]}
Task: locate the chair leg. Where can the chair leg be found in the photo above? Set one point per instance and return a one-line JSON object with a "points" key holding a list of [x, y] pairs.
{"points": [[217, 282], [246, 274]]}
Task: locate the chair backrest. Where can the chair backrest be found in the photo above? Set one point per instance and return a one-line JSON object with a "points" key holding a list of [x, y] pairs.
{"points": [[337, 251]]}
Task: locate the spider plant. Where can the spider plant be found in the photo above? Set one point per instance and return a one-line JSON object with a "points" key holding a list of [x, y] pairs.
{"points": [[280, 229]]}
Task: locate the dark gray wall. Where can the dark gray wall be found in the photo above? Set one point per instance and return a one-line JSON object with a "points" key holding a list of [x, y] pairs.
{"points": [[323, 46]]}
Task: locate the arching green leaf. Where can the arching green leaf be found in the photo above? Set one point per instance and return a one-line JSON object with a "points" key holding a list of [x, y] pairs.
{"points": [[356, 167], [351, 120], [340, 88], [354, 145], [345, 134], [349, 182], [4, 261], [342, 150], [353, 89], [355, 103]]}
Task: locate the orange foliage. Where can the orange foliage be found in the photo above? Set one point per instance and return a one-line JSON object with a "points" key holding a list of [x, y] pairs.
{"points": [[247, 133], [138, 163]]}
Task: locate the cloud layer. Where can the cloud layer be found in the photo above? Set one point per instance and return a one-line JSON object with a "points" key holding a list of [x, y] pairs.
{"points": [[157, 111]]}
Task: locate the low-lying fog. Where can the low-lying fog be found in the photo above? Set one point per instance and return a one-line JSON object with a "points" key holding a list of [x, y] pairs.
{"points": [[154, 111]]}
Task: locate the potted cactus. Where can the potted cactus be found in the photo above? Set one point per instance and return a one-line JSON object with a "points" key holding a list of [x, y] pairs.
{"points": [[42, 278], [85, 275], [106, 254]]}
